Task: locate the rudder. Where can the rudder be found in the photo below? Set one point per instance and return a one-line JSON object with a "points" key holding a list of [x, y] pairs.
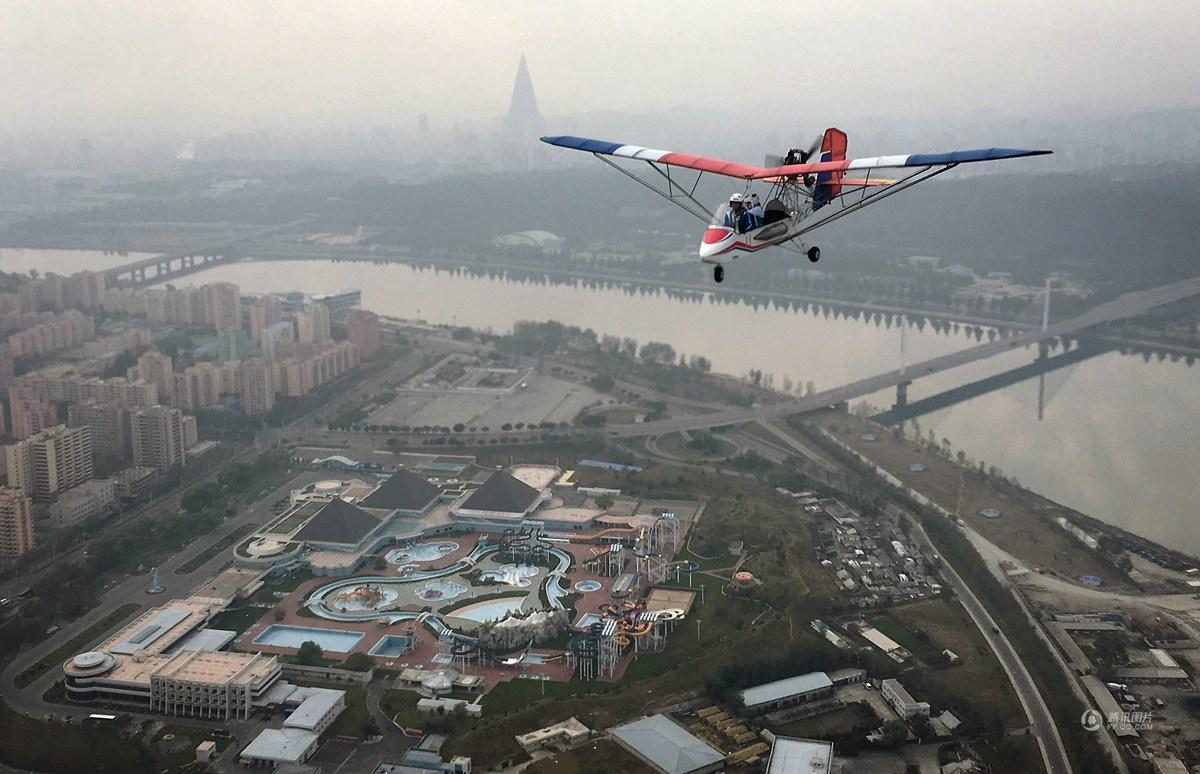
{"points": [[829, 184]]}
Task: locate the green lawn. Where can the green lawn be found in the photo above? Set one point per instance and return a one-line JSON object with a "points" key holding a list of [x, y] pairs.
{"points": [[356, 719], [238, 619], [711, 447], [77, 645], [923, 648]]}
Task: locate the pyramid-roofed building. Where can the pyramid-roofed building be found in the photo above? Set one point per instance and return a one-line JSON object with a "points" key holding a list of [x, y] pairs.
{"points": [[502, 501], [405, 492], [338, 524], [502, 493]]}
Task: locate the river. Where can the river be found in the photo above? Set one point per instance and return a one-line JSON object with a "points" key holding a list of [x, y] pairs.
{"points": [[1118, 440]]}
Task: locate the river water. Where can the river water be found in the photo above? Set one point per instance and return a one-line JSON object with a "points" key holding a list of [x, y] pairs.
{"points": [[1119, 439]]}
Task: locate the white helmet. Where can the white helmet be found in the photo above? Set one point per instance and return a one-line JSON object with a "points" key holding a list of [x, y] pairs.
{"points": [[737, 197]]}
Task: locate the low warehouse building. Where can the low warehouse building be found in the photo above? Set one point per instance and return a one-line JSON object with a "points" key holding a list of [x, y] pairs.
{"points": [[789, 692]]}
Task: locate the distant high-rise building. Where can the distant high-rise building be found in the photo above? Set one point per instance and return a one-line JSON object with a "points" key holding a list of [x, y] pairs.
{"points": [[257, 387], [109, 423], [157, 368], [362, 330], [523, 124], [30, 414], [191, 431], [158, 438], [224, 306], [313, 324], [274, 335], [261, 313], [50, 462], [232, 344], [16, 522], [523, 115]]}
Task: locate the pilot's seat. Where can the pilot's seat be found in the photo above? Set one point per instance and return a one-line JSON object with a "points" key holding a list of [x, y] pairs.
{"points": [[774, 212]]}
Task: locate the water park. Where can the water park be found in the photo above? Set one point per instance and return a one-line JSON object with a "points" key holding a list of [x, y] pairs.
{"points": [[523, 575]]}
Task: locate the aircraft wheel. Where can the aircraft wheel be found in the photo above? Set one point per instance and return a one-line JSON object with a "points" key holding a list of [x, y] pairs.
{"points": [[719, 273], [814, 253]]}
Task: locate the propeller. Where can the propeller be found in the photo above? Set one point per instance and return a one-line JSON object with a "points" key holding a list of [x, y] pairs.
{"points": [[795, 155]]}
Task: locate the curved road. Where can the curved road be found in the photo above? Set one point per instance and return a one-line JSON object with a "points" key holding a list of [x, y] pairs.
{"points": [[1054, 755]]}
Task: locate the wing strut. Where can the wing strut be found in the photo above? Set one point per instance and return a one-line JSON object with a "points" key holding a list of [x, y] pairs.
{"points": [[920, 176], [684, 199]]}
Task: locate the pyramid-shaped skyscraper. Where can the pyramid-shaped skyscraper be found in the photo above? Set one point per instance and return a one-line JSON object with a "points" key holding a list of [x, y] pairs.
{"points": [[523, 117]]}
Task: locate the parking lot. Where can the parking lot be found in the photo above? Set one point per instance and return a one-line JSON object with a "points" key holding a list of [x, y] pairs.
{"points": [[538, 398]]}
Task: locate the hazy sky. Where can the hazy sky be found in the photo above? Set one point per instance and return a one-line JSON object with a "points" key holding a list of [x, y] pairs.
{"points": [[214, 66]]}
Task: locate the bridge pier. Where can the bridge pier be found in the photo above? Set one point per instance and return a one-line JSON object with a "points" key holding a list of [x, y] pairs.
{"points": [[901, 395]]}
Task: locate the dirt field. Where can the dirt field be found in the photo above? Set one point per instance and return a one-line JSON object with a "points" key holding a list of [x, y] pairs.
{"points": [[978, 678], [602, 755], [1025, 528]]}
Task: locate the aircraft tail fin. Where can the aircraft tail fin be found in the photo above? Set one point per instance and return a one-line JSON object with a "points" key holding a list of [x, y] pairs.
{"points": [[829, 184]]}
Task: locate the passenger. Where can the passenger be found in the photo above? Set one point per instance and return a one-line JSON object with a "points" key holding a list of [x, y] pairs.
{"points": [[756, 211], [738, 218]]}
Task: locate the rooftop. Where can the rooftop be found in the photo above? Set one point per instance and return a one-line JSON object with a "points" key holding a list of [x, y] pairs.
{"points": [[285, 745], [315, 707], [502, 493], [799, 756], [156, 630], [217, 668], [403, 491], [667, 745], [338, 522], [782, 689]]}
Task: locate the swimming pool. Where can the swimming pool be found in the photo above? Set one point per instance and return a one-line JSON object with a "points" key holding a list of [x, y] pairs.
{"points": [[587, 619], [281, 636], [436, 590], [489, 611], [390, 646], [588, 585], [420, 552], [511, 574]]}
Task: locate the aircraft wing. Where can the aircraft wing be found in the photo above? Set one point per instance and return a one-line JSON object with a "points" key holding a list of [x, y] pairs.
{"points": [[748, 172]]}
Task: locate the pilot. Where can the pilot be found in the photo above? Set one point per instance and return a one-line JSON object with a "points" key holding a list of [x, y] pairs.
{"points": [[755, 210], [738, 218]]}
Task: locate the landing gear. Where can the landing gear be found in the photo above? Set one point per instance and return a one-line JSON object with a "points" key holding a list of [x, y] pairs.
{"points": [[719, 273], [814, 253]]}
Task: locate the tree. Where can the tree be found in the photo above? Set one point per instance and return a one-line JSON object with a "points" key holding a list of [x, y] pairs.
{"points": [[310, 654], [894, 734], [358, 662], [604, 501]]}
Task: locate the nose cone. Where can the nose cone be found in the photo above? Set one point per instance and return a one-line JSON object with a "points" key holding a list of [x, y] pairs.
{"points": [[716, 240]]}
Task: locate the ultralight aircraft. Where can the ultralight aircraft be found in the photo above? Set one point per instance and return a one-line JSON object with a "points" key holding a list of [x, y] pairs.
{"points": [[803, 195]]}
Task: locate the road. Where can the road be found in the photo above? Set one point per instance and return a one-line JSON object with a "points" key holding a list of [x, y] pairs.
{"points": [[1054, 755]]}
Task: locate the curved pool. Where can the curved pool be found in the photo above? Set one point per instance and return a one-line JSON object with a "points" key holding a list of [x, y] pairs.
{"points": [[491, 610]]}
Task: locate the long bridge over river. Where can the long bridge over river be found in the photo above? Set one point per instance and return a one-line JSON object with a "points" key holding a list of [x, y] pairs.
{"points": [[1126, 306]]}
